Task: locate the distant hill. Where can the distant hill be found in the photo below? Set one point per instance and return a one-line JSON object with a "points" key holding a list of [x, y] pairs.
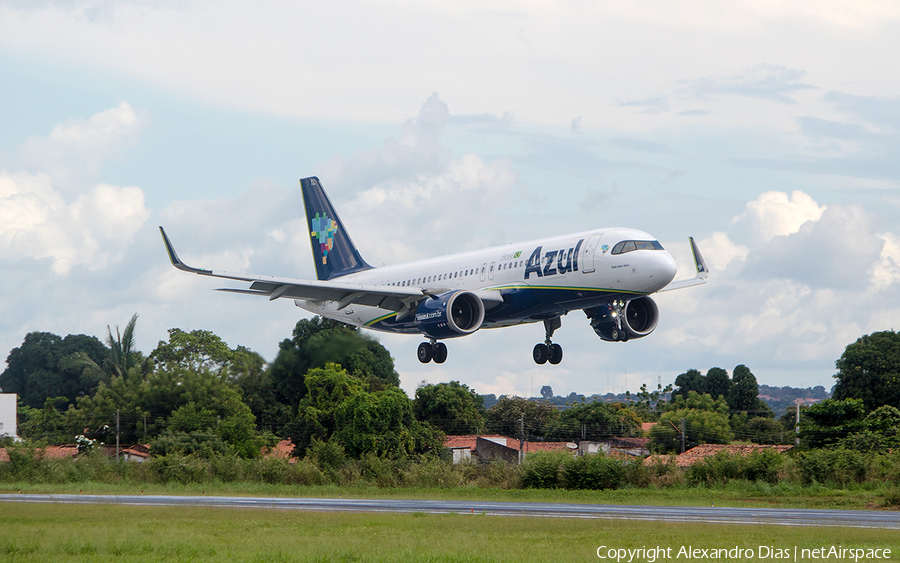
{"points": [[778, 398]]}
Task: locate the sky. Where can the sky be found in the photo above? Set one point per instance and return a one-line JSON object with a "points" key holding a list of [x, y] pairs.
{"points": [[766, 130]]}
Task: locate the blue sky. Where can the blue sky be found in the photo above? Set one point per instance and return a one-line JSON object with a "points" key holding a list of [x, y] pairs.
{"points": [[768, 131]]}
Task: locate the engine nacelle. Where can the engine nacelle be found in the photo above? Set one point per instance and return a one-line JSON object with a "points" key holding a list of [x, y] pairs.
{"points": [[619, 321], [451, 314]]}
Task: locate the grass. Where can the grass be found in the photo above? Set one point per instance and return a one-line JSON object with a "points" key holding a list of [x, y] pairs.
{"points": [[41, 532], [735, 493]]}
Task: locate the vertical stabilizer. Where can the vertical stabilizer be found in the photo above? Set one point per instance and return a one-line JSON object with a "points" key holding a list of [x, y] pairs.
{"points": [[333, 251]]}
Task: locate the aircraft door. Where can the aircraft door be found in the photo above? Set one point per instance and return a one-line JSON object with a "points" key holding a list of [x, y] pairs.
{"points": [[587, 259], [483, 270]]}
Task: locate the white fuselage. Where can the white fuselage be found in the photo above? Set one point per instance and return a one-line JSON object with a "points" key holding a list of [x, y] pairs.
{"points": [[538, 279]]}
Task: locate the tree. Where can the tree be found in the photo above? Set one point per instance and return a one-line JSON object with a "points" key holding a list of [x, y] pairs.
{"points": [[327, 389], [37, 370], [744, 395], [700, 427], [718, 384], [546, 391], [45, 424], [503, 417], [452, 407], [595, 421], [869, 369], [122, 351], [881, 431], [691, 380], [195, 367], [319, 341], [829, 422], [382, 423]]}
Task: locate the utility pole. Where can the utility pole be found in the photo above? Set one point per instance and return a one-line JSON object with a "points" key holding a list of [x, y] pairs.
{"points": [[521, 438], [682, 435], [117, 434], [797, 427]]}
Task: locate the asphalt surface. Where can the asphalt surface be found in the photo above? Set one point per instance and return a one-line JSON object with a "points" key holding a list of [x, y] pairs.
{"points": [[771, 516]]}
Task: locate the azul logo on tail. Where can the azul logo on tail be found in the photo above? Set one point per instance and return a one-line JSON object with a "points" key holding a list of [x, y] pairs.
{"points": [[323, 231]]}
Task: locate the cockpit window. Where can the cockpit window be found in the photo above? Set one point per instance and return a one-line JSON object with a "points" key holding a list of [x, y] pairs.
{"points": [[630, 245]]}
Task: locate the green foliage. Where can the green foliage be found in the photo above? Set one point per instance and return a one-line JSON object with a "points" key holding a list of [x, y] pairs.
{"points": [[382, 423], [503, 417], [869, 369], [198, 351], [327, 454], [594, 472], [319, 341], [597, 420], [701, 427], [695, 401], [541, 470], [881, 431], [840, 466], [691, 380], [122, 356], [452, 408], [761, 430], [38, 369], [825, 424], [743, 395], [45, 425], [762, 465]]}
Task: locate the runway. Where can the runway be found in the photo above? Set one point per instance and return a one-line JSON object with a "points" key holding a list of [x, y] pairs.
{"points": [[725, 515]]}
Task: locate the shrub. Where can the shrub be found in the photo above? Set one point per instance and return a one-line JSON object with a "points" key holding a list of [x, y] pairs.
{"points": [[594, 472], [838, 466], [540, 470]]}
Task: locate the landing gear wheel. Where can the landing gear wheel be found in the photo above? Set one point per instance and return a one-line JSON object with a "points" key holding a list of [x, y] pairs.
{"points": [[425, 352], [615, 334], [556, 354], [541, 353], [440, 352]]}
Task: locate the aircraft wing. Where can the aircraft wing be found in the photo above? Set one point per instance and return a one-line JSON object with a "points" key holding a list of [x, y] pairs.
{"points": [[389, 297], [702, 271]]}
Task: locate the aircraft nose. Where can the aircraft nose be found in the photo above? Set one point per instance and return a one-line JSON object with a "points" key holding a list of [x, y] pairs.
{"points": [[662, 268]]}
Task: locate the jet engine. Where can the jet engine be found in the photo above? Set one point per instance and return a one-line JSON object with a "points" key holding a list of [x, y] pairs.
{"points": [[451, 314], [619, 320]]}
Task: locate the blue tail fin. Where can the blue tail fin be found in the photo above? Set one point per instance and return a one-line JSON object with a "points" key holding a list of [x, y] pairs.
{"points": [[333, 251]]}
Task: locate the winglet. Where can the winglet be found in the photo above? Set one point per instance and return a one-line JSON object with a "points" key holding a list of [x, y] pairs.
{"points": [[174, 257], [702, 270]]}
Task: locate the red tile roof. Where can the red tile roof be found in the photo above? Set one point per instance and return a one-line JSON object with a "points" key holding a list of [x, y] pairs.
{"points": [[281, 450], [703, 451], [50, 452], [468, 441]]}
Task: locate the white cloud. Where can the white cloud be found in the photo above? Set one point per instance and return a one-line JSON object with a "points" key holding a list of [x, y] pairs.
{"points": [[75, 151], [886, 272], [36, 222], [413, 199], [775, 214]]}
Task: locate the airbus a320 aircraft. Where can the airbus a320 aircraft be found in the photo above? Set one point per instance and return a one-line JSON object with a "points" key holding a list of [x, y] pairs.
{"points": [[606, 273]]}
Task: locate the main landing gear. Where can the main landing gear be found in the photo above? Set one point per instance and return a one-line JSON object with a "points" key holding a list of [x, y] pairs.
{"points": [[433, 350], [547, 351]]}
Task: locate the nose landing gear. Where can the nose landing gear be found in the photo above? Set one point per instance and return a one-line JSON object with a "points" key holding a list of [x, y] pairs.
{"points": [[547, 351], [433, 350]]}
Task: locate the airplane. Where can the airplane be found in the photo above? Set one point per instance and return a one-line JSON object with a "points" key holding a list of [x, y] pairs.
{"points": [[608, 274]]}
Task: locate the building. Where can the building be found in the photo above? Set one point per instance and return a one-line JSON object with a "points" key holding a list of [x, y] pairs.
{"points": [[8, 412]]}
